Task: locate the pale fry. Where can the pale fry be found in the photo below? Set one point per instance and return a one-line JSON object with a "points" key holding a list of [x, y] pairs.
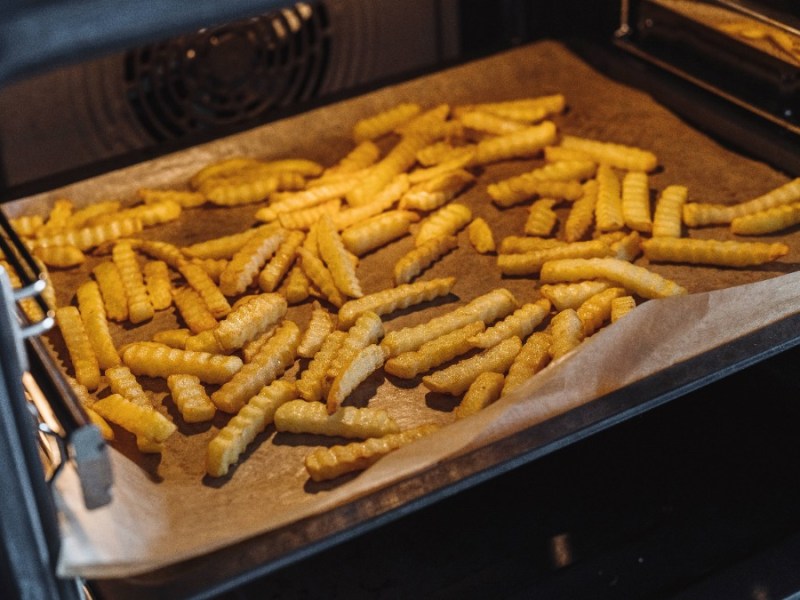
{"points": [[305, 218], [518, 324], [368, 329], [445, 221], [514, 244], [366, 362], [250, 320], [457, 378], [320, 326], [624, 157], [84, 360], [319, 274], [93, 313], [481, 236], [337, 258], [299, 416], [312, 382], [566, 331], [436, 192], [532, 358], [191, 399], [27, 225], [434, 352], [667, 220], [156, 360], [636, 201], [712, 252], [411, 264], [381, 202], [541, 218], [581, 215], [597, 309], [520, 144], [487, 122], [148, 214], [140, 308], [159, 286], [481, 393], [220, 247], [281, 262], [378, 231], [306, 199], [245, 265], [113, 291]]}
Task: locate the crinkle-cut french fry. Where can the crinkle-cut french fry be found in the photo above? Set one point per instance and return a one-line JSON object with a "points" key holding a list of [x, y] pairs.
{"points": [[532, 358], [378, 231], [49, 291], [633, 278], [304, 218], [531, 262], [111, 288], [79, 348], [269, 363], [480, 236], [382, 201], [27, 225], [306, 199], [140, 308], [566, 331], [29, 306], [572, 295], [667, 219], [481, 393], [365, 363], [520, 323], [396, 298], [516, 189], [251, 348], [541, 218], [222, 168], [174, 338], [319, 326], [457, 378], [319, 274], [221, 247], [299, 416], [149, 214], [105, 429], [609, 237], [488, 122], [297, 286], [191, 399], [250, 320], [424, 121], [487, 308], [93, 313], [384, 122], [445, 221], [636, 201], [157, 281], [519, 189], [248, 261], [281, 262], [365, 153], [712, 252], [62, 257], [337, 258], [157, 360], [434, 352], [581, 215], [57, 218], [212, 266], [435, 193], [515, 109], [443, 151], [204, 342], [368, 329], [767, 221], [86, 238], [144, 422], [193, 310], [169, 253], [411, 264], [313, 381], [597, 310], [621, 306], [184, 198], [202, 283], [428, 174], [697, 214], [86, 214], [232, 440], [329, 463], [608, 210], [248, 189], [514, 244], [559, 153], [520, 144], [123, 382], [621, 156]]}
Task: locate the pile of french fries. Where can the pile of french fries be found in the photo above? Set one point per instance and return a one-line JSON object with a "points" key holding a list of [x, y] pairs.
{"points": [[311, 224]]}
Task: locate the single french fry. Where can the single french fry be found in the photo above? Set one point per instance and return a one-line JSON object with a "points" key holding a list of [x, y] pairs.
{"points": [[93, 314], [281, 262], [608, 210], [57, 218], [487, 122], [382, 201], [519, 189], [597, 309], [277, 355], [220, 247], [200, 282], [520, 144], [204, 341], [437, 191], [158, 284], [712, 252], [368, 329], [193, 310], [312, 382], [636, 201], [621, 306], [457, 378], [319, 274], [184, 198], [299, 416], [27, 225], [411, 264], [628, 247], [435, 352], [249, 187], [86, 238], [191, 399], [532, 358], [445, 221], [169, 253], [62, 257], [145, 422], [480, 236], [304, 218], [621, 156], [140, 308], [767, 221], [112, 290], [365, 363], [157, 360], [149, 214], [228, 445], [396, 298], [634, 278], [320, 325], [514, 244], [581, 215], [566, 331], [222, 168], [297, 284], [525, 109], [250, 320], [518, 324], [378, 231], [248, 261], [174, 338], [443, 151], [667, 220], [541, 218], [365, 153], [79, 347], [385, 122], [531, 262], [105, 429], [572, 295], [329, 463], [337, 258], [481, 393], [123, 382]]}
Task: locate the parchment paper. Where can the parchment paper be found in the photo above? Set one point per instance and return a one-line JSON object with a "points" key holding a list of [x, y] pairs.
{"points": [[165, 510]]}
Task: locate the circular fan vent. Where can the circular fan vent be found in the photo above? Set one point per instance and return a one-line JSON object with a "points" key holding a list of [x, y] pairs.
{"points": [[228, 74]]}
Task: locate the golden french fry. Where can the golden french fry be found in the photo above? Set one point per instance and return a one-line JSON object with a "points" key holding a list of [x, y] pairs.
{"points": [[105, 429], [328, 463], [520, 144], [634, 278], [319, 274], [222, 168], [281, 262], [572, 295], [157, 360], [712, 252], [27, 225], [62, 257], [184, 198], [767, 221], [667, 220], [304, 218], [480, 236], [113, 291], [365, 363], [396, 298], [457, 378], [581, 215], [58, 218], [621, 156], [360, 157], [532, 358], [193, 310], [445, 221], [139, 306], [86, 238], [320, 325], [385, 122], [165, 251], [93, 314], [378, 231], [525, 109], [531, 262], [250, 320], [202, 283], [481, 393], [514, 244], [251, 348], [220, 247], [149, 214], [277, 355], [307, 198], [524, 187], [608, 210], [437, 191], [434, 352], [249, 187], [368, 329], [597, 309], [628, 247], [158, 284], [312, 382], [232, 440], [636, 201], [123, 382], [696, 214], [143, 421], [174, 338], [190, 397], [411, 264], [443, 151], [487, 122], [299, 416], [337, 258], [249, 260], [518, 324], [79, 348], [296, 286], [541, 218], [382, 201], [566, 332], [621, 306]]}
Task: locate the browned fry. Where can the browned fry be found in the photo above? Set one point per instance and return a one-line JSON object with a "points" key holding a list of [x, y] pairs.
{"points": [[193, 310], [533, 357], [159, 286], [481, 393], [457, 378]]}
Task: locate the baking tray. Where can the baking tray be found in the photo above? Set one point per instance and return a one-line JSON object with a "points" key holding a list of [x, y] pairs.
{"points": [[679, 343]]}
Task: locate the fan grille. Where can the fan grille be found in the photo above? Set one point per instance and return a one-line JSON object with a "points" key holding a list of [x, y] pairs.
{"points": [[228, 74]]}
